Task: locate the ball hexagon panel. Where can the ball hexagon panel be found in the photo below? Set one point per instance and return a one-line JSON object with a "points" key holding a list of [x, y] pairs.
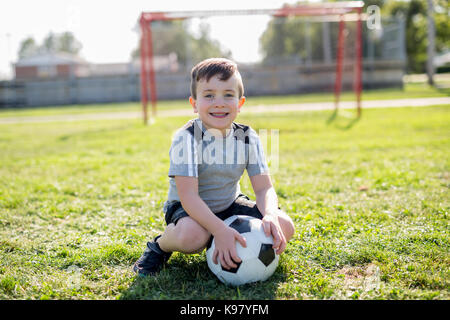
{"points": [[229, 220], [252, 249], [270, 269], [261, 236], [255, 223], [241, 225], [251, 270], [266, 254], [232, 270]]}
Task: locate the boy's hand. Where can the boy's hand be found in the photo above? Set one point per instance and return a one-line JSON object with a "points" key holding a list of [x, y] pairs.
{"points": [[272, 227], [225, 241]]}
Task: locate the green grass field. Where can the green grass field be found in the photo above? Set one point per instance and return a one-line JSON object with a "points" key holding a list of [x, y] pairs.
{"points": [[370, 201]]}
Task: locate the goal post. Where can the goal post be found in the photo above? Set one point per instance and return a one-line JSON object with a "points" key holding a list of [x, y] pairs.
{"points": [[335, 11]]}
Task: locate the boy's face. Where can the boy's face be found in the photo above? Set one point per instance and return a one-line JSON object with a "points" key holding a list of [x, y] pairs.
{"points": [[217, 102]]}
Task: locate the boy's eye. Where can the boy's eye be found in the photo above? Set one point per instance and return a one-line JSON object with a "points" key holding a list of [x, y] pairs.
{"points": [[211, 96]]}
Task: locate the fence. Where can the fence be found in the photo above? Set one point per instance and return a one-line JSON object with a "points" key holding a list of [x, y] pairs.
{"points": [[274, 80]]}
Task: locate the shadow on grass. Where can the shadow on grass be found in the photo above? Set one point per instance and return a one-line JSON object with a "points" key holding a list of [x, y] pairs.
{"points": [[345, 122], [188, 277]]}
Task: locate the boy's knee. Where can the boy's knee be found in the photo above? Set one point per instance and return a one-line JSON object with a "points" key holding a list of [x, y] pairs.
{"points": [[287, 225], [191, 236]]}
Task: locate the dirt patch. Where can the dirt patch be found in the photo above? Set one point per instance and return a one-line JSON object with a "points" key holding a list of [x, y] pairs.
{"points": [[365, 277]]}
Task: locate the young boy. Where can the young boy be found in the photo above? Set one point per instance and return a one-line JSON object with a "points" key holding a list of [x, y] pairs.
{"points": [[207, 159]]}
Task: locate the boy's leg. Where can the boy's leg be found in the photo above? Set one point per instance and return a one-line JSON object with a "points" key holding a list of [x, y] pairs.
{"points": [[152, 260], [182, 234], [286, 224], [186, 236]]}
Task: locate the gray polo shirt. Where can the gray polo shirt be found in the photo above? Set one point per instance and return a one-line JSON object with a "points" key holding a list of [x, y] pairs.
{"points": [[218, 162]]}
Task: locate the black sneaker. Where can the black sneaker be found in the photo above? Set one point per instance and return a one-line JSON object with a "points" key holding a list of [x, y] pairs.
{"points": [[151, 260]]}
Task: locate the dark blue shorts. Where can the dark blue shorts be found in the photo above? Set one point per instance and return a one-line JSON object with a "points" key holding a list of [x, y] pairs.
{"points": [[241, 206]]}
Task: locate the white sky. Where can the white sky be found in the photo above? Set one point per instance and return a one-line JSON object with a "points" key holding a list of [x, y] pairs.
{"points": [[105, 28]]}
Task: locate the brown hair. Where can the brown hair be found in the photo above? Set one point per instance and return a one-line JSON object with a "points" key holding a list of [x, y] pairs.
{"points": [[208, 68]]}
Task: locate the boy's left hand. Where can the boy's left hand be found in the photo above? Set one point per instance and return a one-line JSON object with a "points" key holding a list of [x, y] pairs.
{"points": [[272, 227]]}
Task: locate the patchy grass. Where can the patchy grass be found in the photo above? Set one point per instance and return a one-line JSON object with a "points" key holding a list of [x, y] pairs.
{"points": [[369, 198]]}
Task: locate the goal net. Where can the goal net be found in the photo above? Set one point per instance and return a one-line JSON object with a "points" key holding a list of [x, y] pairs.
{"points": [[297, 49]]}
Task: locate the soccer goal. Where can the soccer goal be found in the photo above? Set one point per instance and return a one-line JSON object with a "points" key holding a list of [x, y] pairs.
{"points": [[322, 51]]}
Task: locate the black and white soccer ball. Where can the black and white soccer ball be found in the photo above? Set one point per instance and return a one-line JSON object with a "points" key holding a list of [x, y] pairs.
{"points": [[259, 259]]}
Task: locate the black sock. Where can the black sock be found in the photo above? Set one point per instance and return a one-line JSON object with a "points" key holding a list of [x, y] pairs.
{"points": [[157, 245]]}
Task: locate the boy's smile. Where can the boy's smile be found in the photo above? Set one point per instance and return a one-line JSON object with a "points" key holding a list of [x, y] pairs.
{"points": [[218, 102], [219, 114]]}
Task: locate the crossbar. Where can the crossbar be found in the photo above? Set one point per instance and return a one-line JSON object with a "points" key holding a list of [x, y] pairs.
{"points": [[335, 11]]}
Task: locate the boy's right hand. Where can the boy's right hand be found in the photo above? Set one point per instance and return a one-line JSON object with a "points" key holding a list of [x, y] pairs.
{"points": [[225, 242]]}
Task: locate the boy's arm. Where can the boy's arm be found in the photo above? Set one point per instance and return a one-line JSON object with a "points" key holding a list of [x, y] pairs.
{"points": [[267, 203], [197, 209]]}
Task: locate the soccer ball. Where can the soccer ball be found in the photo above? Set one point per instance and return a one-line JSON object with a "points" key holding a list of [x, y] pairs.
{"points": [[259, 259]]}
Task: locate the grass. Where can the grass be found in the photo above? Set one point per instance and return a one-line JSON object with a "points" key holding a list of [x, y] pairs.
{"points": [[410, 90], [370, 202]]}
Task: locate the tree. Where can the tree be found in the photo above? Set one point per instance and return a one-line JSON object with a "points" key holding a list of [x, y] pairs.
{"points": [[63, 42], [27, 48], [67, 42], [50, 43], [204, 47], [286, 37], [172, 36], [294, 39], [415, 14]]}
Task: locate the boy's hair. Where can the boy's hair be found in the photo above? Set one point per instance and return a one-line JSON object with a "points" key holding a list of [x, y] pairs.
{"points": [[208, 68]]}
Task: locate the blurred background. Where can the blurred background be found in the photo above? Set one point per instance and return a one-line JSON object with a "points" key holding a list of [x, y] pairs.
{"points": [[81, 52]]}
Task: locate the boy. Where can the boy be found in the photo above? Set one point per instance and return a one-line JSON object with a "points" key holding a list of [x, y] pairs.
{"points": [[207, 159]]}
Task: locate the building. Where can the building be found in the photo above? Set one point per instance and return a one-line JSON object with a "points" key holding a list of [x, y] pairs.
{"points": [[51, 65]]}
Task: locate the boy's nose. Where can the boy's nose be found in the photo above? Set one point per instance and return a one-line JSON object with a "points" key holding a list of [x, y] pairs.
{"points": [[219, 102]]}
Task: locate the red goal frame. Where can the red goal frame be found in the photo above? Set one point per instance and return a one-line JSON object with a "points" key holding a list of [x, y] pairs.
{"points": [[330, 11]]}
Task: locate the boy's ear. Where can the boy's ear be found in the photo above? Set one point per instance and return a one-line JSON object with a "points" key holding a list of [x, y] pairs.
{"points": [[193, 104], [241, 102]]}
